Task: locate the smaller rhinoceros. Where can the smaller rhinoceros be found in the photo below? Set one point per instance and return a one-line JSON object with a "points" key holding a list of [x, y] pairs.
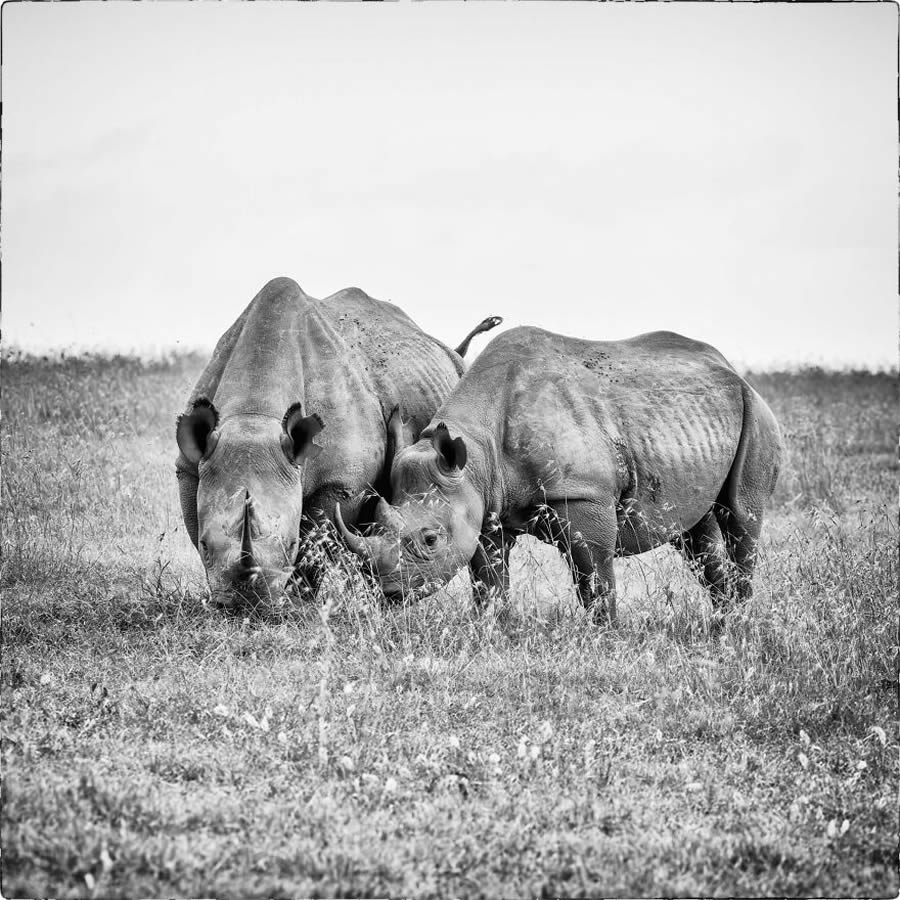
{"points": [[290, 416], [601, 448]]}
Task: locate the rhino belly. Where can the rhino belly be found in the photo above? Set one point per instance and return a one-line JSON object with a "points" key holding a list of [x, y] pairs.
{"points": [[679, 455], [662, 502]]}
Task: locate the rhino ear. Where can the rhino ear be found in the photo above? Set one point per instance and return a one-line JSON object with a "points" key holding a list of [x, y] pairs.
{"points": [[299, 431], [195, 431], [451, 451]]}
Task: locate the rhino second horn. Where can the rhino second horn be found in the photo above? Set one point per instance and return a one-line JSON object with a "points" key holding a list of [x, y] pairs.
{"points": [[387, 516], [357, 544], [247, 560]]}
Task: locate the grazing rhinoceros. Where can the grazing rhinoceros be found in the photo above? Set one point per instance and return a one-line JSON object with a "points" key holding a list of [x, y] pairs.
{"points": [[601, 448], [289, 417]]}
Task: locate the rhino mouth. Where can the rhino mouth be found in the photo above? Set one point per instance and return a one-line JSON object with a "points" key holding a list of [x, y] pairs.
{"points": [[252, 577], [407, 587], [254, 590]]}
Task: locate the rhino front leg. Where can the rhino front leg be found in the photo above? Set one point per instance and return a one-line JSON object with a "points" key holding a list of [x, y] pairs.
{"points": [[585, 531], [308, 577], [315, 554], [489, 567], [321, 544]]}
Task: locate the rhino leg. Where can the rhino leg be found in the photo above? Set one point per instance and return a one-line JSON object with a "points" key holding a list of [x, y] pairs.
{"points": [[741, 529], [307, 580], [308, 576], [317, 552], [702, 547], [585, 532], [751, 481], [489, 567]]}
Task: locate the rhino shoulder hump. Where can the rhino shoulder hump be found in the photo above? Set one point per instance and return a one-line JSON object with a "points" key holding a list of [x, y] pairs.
{"points": [[351, 293], [280, 287]]}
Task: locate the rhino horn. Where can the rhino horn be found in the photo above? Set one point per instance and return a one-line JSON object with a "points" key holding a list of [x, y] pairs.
{"points": [[387, 516], [382, 552], [356, 543], [247, 561]]}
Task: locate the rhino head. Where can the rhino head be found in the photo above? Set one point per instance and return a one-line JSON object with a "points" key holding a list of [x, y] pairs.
{"points": [[249, 497], [432, 529]]}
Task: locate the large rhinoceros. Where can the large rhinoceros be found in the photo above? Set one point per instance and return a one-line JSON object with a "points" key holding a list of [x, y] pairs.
{"points": [[290, 417], [602, 448]]}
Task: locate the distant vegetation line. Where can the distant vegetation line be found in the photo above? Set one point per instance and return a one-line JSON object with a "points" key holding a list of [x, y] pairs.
{"points": [[174, 358]]}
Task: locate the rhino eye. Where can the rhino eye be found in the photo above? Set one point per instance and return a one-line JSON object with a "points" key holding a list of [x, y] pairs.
{"points": [[430, 538]]}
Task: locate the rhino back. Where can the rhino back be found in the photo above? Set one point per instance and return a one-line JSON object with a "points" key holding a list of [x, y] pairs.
{"points": [[363, 358], [653, 421], [403, 364]]}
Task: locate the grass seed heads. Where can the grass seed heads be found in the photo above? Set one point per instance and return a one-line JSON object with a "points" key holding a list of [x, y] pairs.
{"points": [[340, 746]]}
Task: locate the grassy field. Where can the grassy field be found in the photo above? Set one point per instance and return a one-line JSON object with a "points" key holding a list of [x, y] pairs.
{"points": [[151, 747]]}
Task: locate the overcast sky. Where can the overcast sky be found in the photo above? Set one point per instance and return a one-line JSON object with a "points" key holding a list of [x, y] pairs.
{"points": [[726, 171]]}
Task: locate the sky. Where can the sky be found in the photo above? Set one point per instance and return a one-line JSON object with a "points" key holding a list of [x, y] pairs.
{"points": [[728, 171]]}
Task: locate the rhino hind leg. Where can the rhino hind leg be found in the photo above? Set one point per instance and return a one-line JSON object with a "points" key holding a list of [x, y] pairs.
{"points": [[585, 532], [750, 484], [741, 530], [702, 547]]}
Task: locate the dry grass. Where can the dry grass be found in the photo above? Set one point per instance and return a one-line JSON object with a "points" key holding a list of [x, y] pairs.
{"points": [[151, 747]]}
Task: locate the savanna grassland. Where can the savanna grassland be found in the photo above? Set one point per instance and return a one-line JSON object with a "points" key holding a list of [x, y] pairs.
{"points": [[152, 747]]}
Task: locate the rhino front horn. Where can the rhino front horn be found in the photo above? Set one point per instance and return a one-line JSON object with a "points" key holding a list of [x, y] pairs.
{"points": [[353, 541], [247, 560], [381, 553]]}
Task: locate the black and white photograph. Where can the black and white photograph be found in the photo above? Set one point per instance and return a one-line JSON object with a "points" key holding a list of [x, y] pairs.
{"points": [[449, 449]]}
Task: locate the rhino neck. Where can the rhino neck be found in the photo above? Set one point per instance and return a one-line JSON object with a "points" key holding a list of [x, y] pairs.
{"points": [[264, 372], [488, 475]]}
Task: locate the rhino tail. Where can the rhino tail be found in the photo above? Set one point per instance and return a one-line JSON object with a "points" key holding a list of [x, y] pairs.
{"points": [[484, 325]]}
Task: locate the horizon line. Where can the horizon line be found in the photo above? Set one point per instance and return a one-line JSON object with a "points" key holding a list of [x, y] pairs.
{"points": [[12, 351]]}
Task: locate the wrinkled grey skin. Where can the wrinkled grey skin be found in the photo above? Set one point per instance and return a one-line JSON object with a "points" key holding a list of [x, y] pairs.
{"points": [[601, 448], [289, 418]]}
